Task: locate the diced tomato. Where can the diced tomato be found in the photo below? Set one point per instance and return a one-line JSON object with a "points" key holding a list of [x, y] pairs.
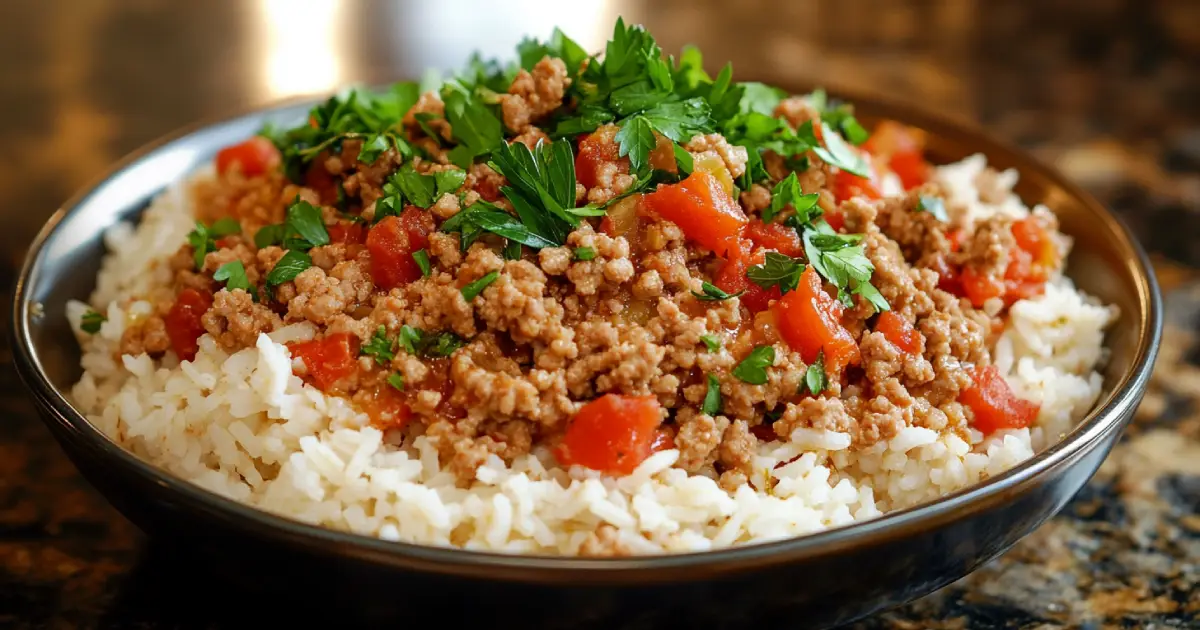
{"points": [[757, 299], [392, 242], [594, 152], [955, 237], [329, 359], [702, 209], [809, 321], [835, 219], [899, 332], [183, 324], [731, 278], [847, 185], [775, 236], [318, 178], [387, 408], [764, 432], [910, 167], [611, 434], [949, 279], [994, 405], [902, 148], [254, 157], [979, 288], [348, 232], [664, 440], [1034, 238]]}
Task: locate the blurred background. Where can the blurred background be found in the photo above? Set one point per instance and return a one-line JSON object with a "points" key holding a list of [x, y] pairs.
{"points": [[1108, 90]]}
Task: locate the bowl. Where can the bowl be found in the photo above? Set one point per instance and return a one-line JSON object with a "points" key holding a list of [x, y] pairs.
{"points": [[818, 580]]}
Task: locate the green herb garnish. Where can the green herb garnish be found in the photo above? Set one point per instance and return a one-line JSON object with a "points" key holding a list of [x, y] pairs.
{"points": [[91, 321], [475, 288], [712, 293], [933, 205], [753, 369], [289, 266], [711, 341], [203, 238], [584, 253], [814, 376], [233, 274], [304, 227], [396, 380], [841, 260], [712, 398], [380, 347], [777, 270], [421, 257], [788, 193]]}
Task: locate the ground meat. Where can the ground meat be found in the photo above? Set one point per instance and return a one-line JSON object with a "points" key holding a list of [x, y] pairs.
{"points": [[531, 137], [756, 199], [827, 414], [612, 177], [235, 320], [429, 103], [986, 252], [698, 438], [367, 181], [610, 268], [715, 145], [797, 110], [534, 94], [321, 296], [147, 336], [460, 450], [738, 448]]}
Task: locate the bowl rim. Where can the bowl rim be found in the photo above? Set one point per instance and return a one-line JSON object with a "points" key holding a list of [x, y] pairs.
{"points": [[1107, 416]]}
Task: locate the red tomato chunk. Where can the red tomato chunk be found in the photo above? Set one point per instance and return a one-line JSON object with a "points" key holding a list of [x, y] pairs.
{"points": [[594, 152], [328, 360], [994, 404], [899, 332], [392, 243], [387, 408], [184, 327], [701, 208], [611, 434], [348, 233], [809, 321], [847, 185], [254, 157], [776, 237]]}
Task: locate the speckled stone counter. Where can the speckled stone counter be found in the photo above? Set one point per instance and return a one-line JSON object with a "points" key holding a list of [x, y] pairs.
{"points": [[1107, 90]]}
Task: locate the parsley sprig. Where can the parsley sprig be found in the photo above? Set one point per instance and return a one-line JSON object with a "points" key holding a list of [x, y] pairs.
{"points": [[91, 322], [203, 239]]}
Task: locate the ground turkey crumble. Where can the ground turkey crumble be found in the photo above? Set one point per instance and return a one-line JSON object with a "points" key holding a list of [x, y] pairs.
{"points": [[557, 329]]}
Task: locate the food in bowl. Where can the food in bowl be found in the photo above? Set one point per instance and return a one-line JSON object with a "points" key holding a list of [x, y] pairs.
{"points": [[587, 305]]}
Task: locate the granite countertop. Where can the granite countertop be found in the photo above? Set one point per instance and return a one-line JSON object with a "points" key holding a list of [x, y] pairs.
{"points": [[1105, 90]]}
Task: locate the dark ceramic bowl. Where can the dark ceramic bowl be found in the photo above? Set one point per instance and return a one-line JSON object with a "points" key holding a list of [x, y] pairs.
{"points": [[814, 581]]}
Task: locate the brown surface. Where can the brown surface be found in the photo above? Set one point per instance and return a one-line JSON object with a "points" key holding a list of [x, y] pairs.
{"points": [[1106, 89]]}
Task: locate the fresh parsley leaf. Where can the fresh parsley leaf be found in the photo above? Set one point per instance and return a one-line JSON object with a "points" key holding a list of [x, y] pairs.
{"points": [[269, 235], [587, 118], [442, 344], [636, 140], [711, 341], [91, 321], [421, 257], [201, 244], [306, 220], [712, 398], [777, 270], [760, 98], [379, 347], [476, 127], [814, 376], [542, 188], [484, 216], [473, 289], [682, 120], [396, 380], [512, 250], [683, 161], [837, 153], [409, 338], [423, 120], [448, 181], [224, 227], [233, 274], [933, 205], [840, 259], [712, 293], [753, 369], [584, 253], [418, 189], [289, 266], [788, 193]]}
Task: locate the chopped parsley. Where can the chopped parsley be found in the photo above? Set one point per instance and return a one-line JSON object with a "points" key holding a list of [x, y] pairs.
{"points": [[712, 293], [711, 341], [541, 188], [91, 321], [396, 380], [304, 227], [841, 260], [203, 238], [787, 193], [712, 398], [289, 266], [840, 154], [268, 235], [585, 253], [233, 274], [777, 270], [933, 205], [512, 250], [421, 257], [475, 288], [380, 347], [407, 186], [475, 127], [753, 369], [429, 345], [814, 376]]}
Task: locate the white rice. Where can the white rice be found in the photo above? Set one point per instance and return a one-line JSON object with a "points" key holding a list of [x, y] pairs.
{"points": [[243, 426]]}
